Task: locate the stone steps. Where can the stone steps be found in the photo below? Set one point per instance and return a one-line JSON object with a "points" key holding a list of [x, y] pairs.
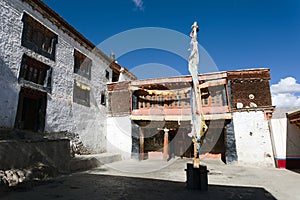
{"points": [[86, 162]]}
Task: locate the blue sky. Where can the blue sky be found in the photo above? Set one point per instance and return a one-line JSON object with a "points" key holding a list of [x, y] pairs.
{"points": [[237, 34]]}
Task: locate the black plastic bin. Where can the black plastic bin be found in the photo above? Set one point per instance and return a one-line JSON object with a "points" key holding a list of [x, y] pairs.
{"points": [[196, 177]]}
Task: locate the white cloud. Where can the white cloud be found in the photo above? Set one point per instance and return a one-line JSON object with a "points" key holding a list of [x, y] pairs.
{"points": [[139, 4], [284, 93], [286, 85], [286, 100]]}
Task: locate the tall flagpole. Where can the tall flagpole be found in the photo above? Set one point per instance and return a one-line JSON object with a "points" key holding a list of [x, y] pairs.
{"points": [[198, 124]]}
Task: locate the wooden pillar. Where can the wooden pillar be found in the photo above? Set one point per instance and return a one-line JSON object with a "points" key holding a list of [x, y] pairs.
{"points": [[142, 149], [166, 144]]}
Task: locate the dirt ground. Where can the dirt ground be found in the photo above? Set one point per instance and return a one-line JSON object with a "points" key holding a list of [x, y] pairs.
{"points": [[154, 179]]}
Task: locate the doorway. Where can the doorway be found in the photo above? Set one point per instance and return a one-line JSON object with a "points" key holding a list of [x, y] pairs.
{"points": [[31, 110]]}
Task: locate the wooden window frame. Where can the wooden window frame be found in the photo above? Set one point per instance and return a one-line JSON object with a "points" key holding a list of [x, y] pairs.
{"points": [[35, 74], [214, 97], [38, 37]]}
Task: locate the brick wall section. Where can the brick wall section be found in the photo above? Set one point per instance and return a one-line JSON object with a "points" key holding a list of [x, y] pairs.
{"points": [[244, 83], [119, 99]]}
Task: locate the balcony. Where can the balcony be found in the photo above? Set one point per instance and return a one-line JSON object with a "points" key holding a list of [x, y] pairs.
{"points": [[178, 113]]}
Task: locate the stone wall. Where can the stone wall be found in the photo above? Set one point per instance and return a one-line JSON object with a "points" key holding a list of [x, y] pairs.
{"points": [[62, 114], [20, 154], [253, 140]]}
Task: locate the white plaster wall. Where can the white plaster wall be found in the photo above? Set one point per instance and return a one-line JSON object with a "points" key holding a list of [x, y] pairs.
{"points": [[124, 77], [119, 136], [61, 114], [256, 148], [279, 130]]}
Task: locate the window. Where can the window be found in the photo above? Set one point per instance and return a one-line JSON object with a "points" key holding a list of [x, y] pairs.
{"points": [[216, 98], [115, 76], [35, 73], [82, 64], [169, 100], [205, 101], [38, 38], [103, 98], [213, 98], [179, 99], [187, 99], [81, 94], [152, 101], [147, 105], [141, 102], [161, 100], [107, 74]]}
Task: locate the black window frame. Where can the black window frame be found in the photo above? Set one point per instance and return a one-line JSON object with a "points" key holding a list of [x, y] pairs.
{"points": [[107, 74], [82, 64]]}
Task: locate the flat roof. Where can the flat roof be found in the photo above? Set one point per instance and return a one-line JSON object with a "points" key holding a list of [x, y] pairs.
{"points": [[188, 78]]}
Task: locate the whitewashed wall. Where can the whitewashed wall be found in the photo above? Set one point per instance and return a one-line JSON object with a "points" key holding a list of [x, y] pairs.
{"points": [[119, 136], [253, 141], [279, 133], [61, 114], [10, 59]]}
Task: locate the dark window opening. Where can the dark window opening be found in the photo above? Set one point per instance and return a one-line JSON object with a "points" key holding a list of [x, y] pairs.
{"points": [[134, 101], [107, 74], [38, 38], [35, 74], [115, 76], [82, 64], [31, 110], [81, 94], [103, 99]]}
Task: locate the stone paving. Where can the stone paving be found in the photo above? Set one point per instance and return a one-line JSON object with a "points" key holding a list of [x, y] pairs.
{"points": [[155, 179]]}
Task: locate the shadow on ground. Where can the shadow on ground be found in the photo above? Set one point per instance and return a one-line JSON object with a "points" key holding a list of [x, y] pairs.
{"points": [[295, 170], [88, 186]]}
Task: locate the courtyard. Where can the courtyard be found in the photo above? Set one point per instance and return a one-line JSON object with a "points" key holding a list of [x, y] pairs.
{"points": [[156, 179]]}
